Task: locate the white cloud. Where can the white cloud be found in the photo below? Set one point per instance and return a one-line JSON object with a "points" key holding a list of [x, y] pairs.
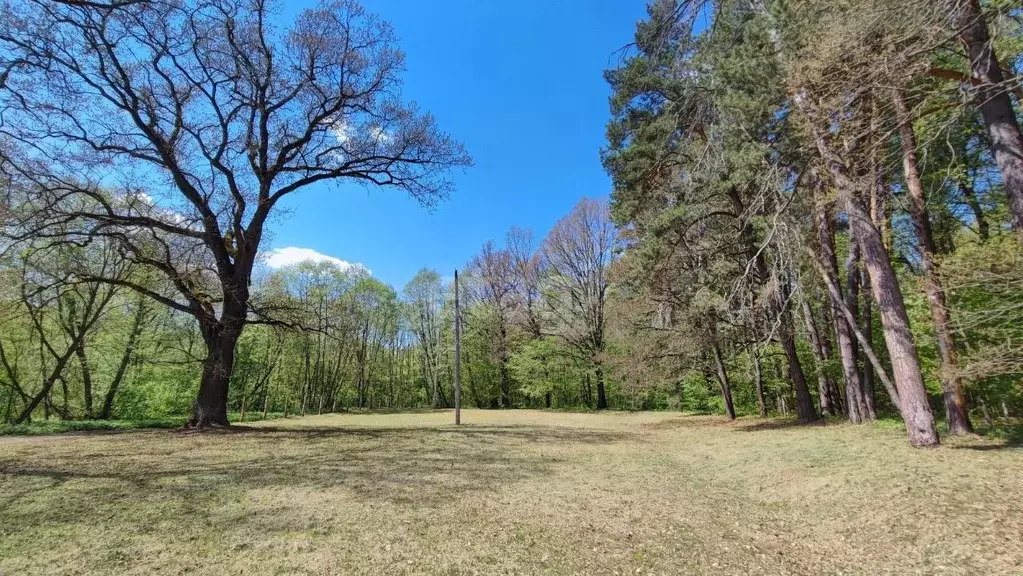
{"points": [[340, 129], [380, 135], [281, 257]]}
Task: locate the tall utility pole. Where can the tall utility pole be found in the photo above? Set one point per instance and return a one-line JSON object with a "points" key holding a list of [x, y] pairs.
{"points": [[458, 357]]}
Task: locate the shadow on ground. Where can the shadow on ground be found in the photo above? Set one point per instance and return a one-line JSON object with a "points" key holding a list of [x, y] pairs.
{"points": [[424, 467], [776, 424]]}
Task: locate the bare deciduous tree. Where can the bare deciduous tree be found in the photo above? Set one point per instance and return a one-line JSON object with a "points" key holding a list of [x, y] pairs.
{"points": [[177, 127], [494, 271], [578, 253]]}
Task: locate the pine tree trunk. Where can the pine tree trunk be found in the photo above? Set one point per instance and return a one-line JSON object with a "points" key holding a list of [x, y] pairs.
{"points": [[951, 384], [824, 398], [804, 402], [995, 106], [916, 411], [867, 327], [828, 261]]}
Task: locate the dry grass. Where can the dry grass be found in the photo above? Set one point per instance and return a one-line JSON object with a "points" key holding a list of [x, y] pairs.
{"points": [[509, 493]]}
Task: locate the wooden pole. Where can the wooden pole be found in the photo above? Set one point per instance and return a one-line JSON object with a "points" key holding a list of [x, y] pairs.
{"points": [[458, 357]]}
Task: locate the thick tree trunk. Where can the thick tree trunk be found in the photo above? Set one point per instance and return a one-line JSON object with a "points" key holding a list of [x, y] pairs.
{"points": [[361, 392], [210, 407], [951, 384], [995, 106], [726, 387], [435, 401], [916, 410]]}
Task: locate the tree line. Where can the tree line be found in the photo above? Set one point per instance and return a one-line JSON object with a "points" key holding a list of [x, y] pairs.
{"points": [[837, 184], [817, 210]]}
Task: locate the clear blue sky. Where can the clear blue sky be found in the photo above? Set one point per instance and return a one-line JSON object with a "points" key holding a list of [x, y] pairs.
{"points": [[521, 84]]}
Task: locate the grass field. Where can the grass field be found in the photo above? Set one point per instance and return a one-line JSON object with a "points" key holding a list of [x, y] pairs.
{"points": [[516, 492]]}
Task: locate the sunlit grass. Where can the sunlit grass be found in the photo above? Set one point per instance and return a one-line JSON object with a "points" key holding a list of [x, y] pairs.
{"points": [[516, 492]]}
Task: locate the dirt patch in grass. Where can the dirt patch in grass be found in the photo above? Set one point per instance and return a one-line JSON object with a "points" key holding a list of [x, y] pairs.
{"points": [[520, 492]]}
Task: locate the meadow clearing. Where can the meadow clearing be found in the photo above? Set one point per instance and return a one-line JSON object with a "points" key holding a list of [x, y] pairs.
{"points": [[510, 492]]}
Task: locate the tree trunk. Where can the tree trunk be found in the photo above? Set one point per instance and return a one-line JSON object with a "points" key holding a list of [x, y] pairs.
{"points": [[916, 410], [503, 360], [758, 377], [867, 328], [786, 333], [266, 400], [86, 377], [210, 407], [361, 393], [601, 394], [979, 218], [828, 264], [122, 367], [951, 384], [995, 106], [726, 387], [823, 392]]}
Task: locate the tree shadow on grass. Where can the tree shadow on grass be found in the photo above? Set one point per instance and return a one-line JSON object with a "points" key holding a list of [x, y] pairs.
{"points": [[421, 467], [475, 432], [775, 424], [998, 438]]}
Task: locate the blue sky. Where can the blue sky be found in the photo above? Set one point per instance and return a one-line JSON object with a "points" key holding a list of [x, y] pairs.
{"points": [[521, 84]]}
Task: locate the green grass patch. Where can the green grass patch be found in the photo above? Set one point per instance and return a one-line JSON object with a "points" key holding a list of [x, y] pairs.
{"points": [[510, 492]]}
